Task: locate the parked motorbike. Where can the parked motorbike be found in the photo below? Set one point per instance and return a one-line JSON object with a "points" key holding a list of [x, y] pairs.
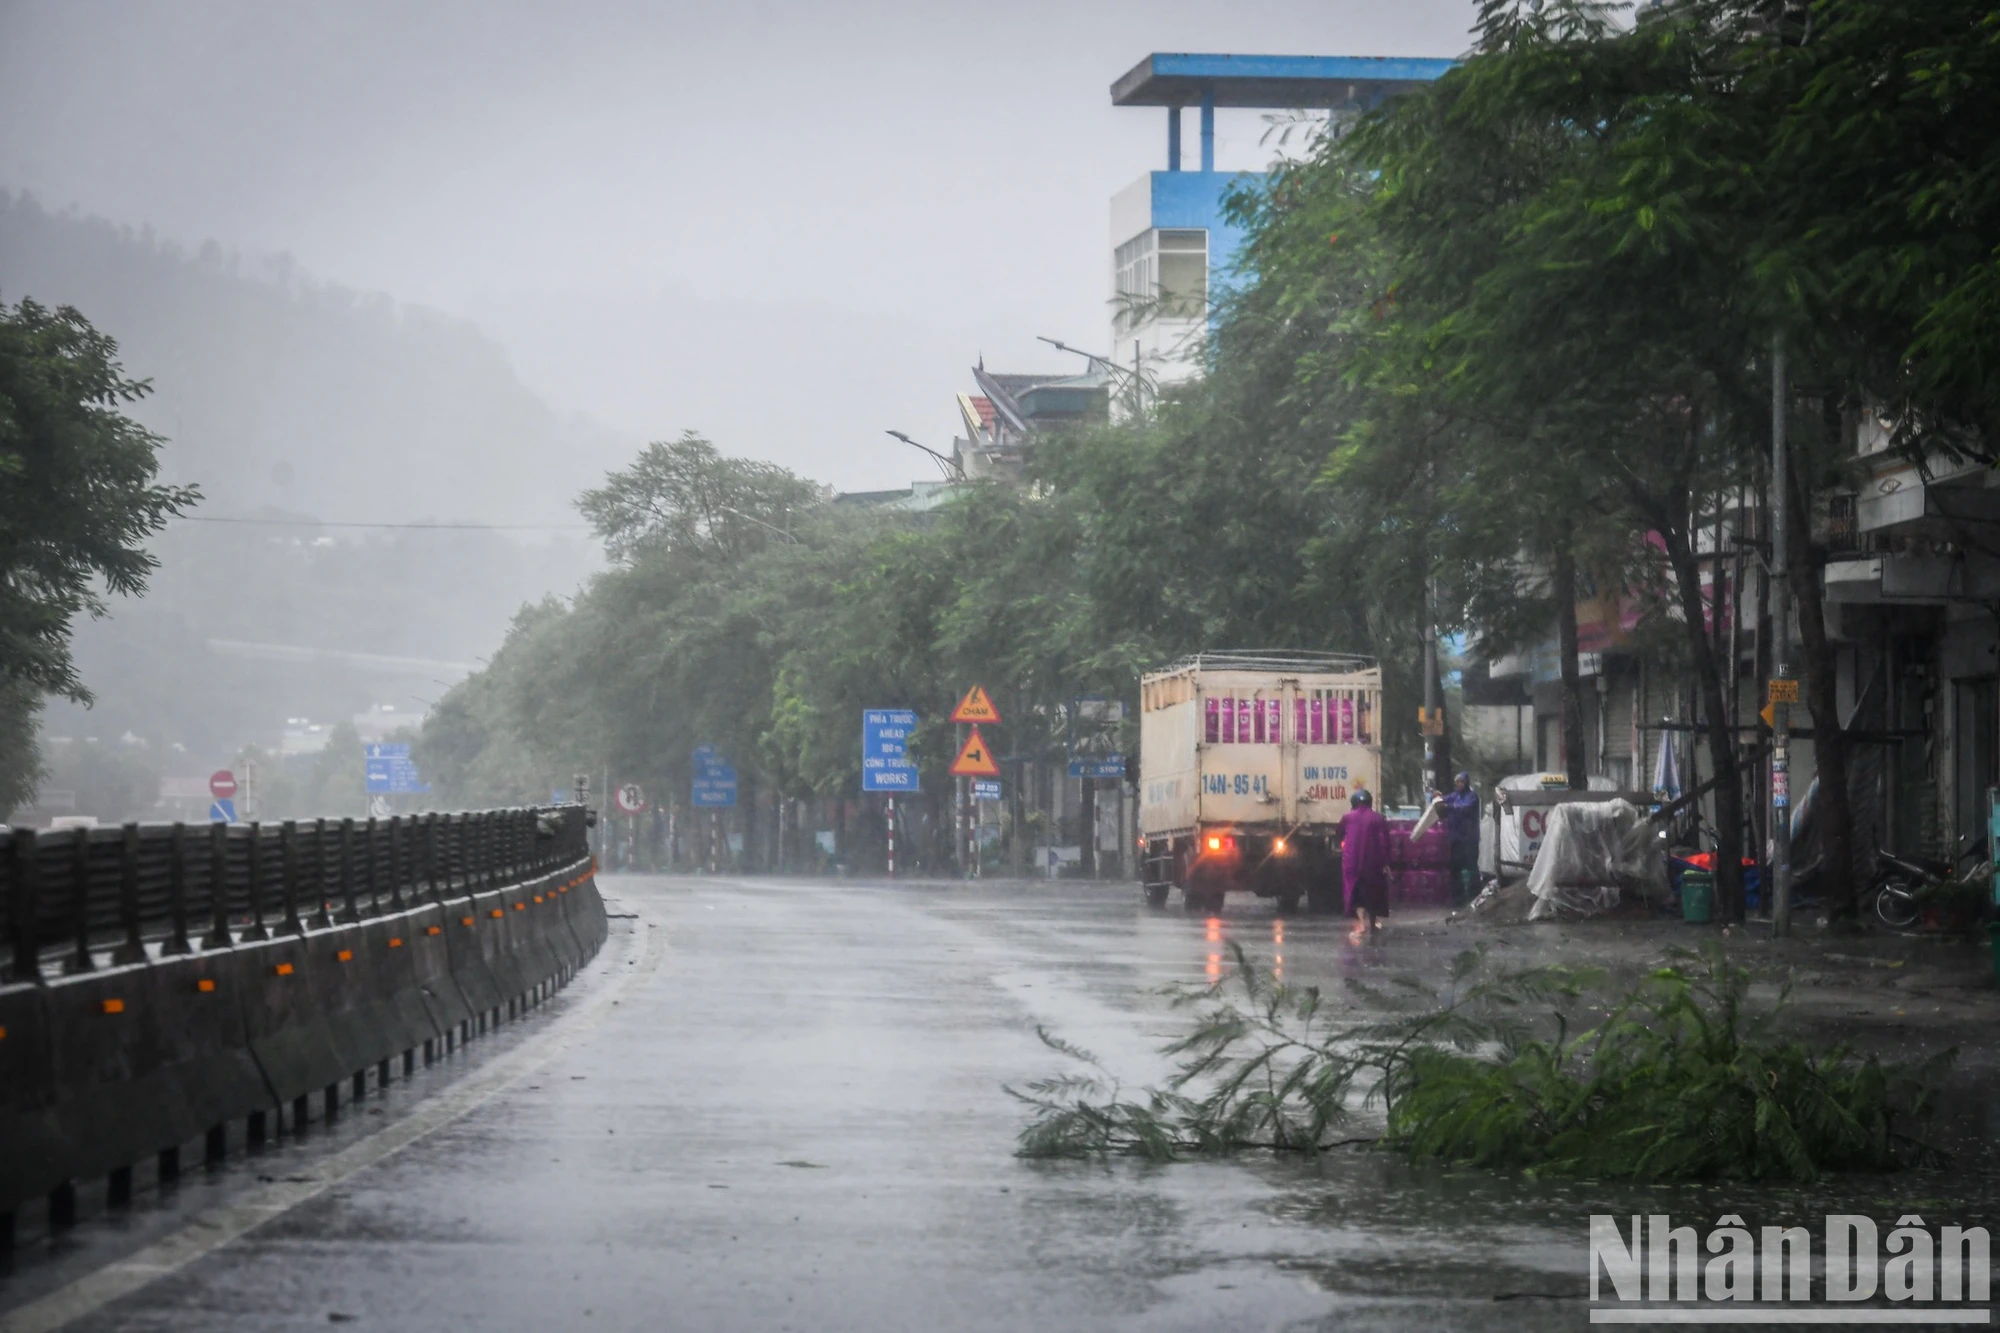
{"points": [[1899, 878]]}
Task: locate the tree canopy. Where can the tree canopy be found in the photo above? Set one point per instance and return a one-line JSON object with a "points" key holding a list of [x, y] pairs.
{"points": [[78, 500]]}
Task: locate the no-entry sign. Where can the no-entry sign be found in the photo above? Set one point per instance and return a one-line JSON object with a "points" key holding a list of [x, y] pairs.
{"points": [[222, 784]]}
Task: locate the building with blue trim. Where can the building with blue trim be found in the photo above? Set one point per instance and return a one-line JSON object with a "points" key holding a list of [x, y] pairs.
{"points": [[1170, 237]]}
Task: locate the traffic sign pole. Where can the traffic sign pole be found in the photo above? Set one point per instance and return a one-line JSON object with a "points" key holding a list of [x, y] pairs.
{"points": [[976, 707], [1781, 637], [892, 837]]}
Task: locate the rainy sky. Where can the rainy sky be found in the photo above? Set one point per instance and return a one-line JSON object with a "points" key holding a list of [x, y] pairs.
{"points": [[789, 226]]}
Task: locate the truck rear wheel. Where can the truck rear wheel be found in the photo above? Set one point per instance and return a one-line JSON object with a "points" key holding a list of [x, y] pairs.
{"points": [[1156, 895], [1288, 904]]}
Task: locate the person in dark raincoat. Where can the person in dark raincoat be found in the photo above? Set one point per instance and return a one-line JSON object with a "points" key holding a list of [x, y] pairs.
{"points": [[1461, 826], [1364, 864]]}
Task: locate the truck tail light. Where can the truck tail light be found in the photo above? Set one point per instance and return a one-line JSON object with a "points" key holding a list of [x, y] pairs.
{"points": [[1278, 846], [1215, 844]]}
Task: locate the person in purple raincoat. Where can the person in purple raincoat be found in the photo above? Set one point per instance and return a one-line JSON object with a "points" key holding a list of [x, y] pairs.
{"points": [[1461, 823], [1364, 864]]}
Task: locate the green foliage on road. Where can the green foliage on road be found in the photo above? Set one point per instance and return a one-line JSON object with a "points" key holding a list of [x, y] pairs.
{"points": [[1681, 1078]]}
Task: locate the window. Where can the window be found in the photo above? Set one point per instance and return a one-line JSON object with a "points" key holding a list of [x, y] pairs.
{"points": [[1163, 274], [1134, 261], [1183, 274]]}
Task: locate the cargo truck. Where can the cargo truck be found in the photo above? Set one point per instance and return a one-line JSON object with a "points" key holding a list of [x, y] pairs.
{"points": [[1246, 764]]}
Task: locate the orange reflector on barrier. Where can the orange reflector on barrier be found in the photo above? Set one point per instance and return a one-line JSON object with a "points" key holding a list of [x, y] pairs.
{"points": [[205, 985], [466, 919], [283, 969], [520, 907], [345, 955], [538, 900], [395, 943], [498, 912], [114, 1006], [433, 930], [3, 1032]]}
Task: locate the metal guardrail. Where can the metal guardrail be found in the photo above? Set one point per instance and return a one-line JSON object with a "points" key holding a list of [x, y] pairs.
{"points": [[77, 899]]}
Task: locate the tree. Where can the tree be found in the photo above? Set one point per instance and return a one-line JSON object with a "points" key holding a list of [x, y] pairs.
{"points": [[78, 498], [1537, 299], [683, 496]]}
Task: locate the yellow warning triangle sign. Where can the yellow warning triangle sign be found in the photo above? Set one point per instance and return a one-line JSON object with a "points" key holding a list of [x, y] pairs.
{"points": [[975, 760], [1769, 712], [975, 707]]}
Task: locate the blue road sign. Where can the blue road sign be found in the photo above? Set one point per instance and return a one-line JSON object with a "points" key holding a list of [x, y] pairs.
{"points": [[986, 789], [885, 750], [222, 811], [391, 771], [1102, 766], [714, 780]]}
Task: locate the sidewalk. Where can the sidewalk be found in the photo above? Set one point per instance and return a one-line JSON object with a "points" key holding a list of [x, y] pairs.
{"points": [[1900, 996]]}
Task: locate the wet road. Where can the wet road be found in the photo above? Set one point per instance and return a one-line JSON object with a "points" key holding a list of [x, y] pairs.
{"points": [[778, 1104]]}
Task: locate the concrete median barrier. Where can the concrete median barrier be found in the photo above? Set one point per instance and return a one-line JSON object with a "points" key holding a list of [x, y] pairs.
{"points": [[105, 1068]]}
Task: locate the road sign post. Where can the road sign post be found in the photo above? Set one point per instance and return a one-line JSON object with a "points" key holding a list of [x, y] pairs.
{"points": [[976, 707], [886, 763], [975, 759], [389, 771], [714, 780], [713, 790]]}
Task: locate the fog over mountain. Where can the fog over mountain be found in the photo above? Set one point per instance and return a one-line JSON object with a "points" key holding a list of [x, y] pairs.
{"points": [[292, 402]]}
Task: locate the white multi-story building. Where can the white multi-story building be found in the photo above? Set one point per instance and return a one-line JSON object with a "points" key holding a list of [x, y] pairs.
{"points": [[1172, 241]]}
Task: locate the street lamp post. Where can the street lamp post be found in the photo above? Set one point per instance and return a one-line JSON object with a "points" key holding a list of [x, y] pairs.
{"points": [[1781, 708], [946, 465]]}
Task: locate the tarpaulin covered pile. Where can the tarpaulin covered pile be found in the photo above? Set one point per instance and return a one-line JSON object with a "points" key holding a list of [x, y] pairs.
{"points": [[1594, 856]]}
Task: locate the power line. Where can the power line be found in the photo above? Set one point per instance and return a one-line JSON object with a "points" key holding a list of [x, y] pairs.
{"points": [[318, 523]]}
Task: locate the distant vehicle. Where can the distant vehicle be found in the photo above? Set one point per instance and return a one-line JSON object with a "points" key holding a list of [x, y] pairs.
{"points": [[73, 821], [1246, 764]]}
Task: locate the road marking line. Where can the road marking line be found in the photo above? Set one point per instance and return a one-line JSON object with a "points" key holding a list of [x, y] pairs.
{"points": [[214, 1228]]}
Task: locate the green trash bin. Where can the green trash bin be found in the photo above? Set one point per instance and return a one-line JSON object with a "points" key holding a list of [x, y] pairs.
{"points": [[1697, 895]]}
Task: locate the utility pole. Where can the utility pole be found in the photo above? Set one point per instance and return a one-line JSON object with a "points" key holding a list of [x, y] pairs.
{"points": [[1433, 706], [1782, 686]]}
